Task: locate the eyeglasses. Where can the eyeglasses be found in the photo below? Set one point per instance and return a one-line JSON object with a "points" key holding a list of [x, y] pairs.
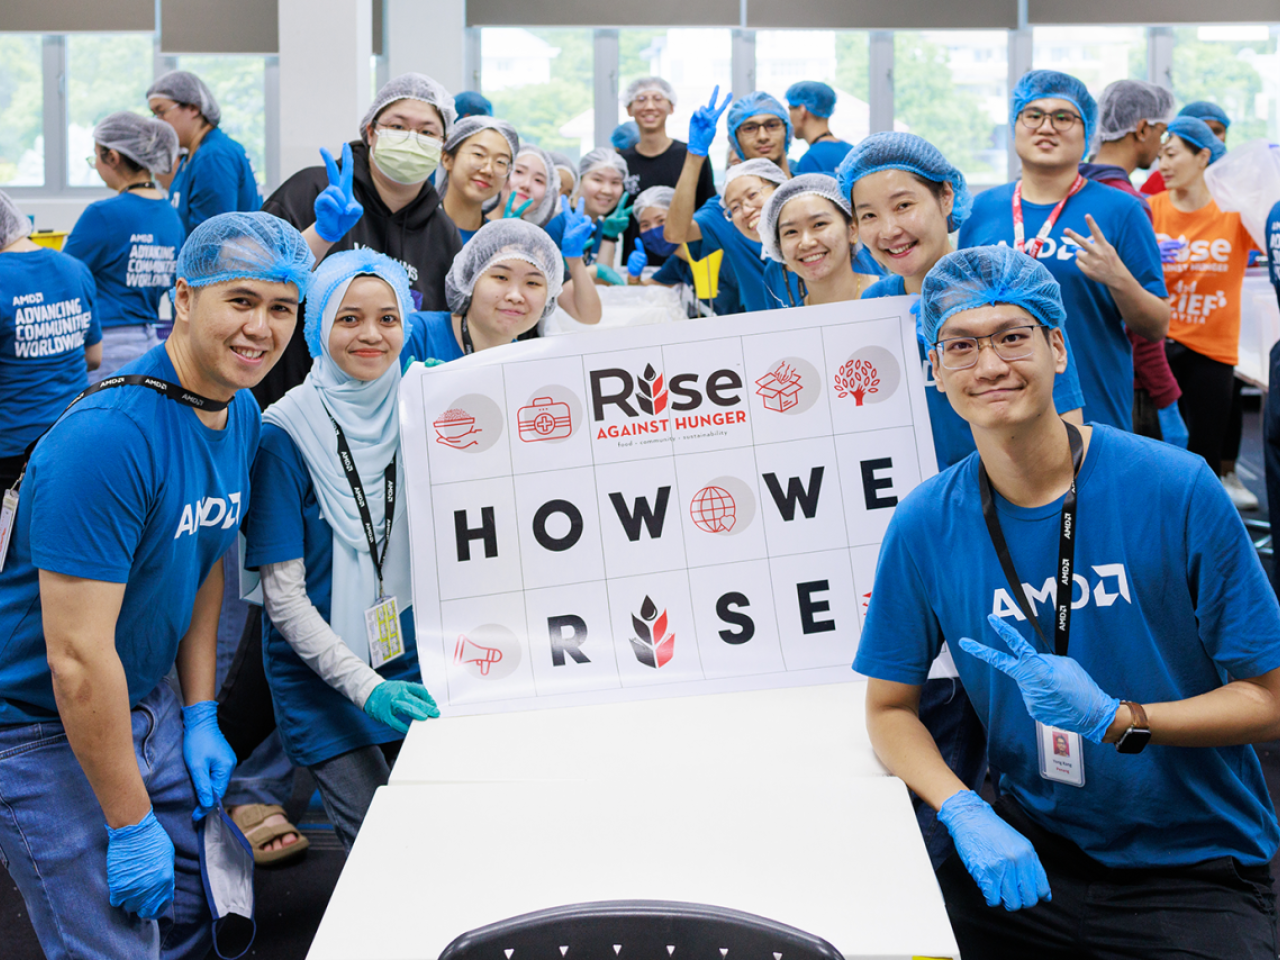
{"points": [[1060, 120], [92, 162], [1009, 344], [424, 139], [160, 114], [501, 165], [752, 197], [645, 99], [750, 128]]}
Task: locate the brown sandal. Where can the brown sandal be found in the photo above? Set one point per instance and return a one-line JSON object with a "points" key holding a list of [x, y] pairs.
{"points": [[251, 819]]}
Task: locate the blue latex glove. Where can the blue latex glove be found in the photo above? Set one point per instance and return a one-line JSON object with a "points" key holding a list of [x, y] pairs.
{"points": [[508, 214], [1172, 427], [638, 259], [702, 125], [915, 312], [1169, 250], [209, 757], [1056, 690], [140, 868], [615, 224], [1001, 861], [578, 229], [393, 699], [337, 209], [609, 275]]}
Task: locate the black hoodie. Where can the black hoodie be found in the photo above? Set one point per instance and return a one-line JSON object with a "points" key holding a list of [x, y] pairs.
{"points": [[420, 236]]}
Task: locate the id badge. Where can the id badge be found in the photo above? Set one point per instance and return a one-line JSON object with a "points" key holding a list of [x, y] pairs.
{"points": [[1061, 755], [382, 623], [8, 513]]}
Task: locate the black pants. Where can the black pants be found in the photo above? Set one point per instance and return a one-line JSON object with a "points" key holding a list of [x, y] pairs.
{"points": [[1205, 405], [1216, 909], [246, 715], [1271, 454]]}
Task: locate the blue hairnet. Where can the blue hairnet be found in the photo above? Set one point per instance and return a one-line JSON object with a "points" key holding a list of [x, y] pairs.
{"points": [[815, 96], [245, 246], [905, 151], [1204, 110], [982, 277], [752, 105], [468, 103], [625, 135], [1196, 134], [1039, 84], [336, 270]]}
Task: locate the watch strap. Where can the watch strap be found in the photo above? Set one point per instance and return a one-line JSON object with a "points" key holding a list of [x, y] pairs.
{"points": [[1139, 715]]}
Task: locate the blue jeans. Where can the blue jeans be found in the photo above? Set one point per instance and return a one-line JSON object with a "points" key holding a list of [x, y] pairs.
{"points": [[949, 717], [54, 842]]}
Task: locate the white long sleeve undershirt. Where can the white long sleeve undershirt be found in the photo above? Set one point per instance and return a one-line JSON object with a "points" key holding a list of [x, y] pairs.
{"points": [[284, 592]]}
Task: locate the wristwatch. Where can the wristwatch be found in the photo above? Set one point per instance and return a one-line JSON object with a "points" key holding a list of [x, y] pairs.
{"points": [[1139, 733]]}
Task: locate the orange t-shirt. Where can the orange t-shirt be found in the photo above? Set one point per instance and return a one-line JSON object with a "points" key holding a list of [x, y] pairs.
{"points": [[1205, 283]]}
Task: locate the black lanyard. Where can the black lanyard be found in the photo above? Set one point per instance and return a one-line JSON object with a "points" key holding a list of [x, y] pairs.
{"points": [[357, 490], [1066, 548], [467, 347], [171, 391], [144, 185]]}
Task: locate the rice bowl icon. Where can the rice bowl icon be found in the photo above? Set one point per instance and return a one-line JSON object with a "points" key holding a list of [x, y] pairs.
{"points": [[456, 428]]}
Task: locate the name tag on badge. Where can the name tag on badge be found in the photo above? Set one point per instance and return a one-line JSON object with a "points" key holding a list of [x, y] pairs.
{"points": [[1061, 755], [382, 624], [8, 514]]}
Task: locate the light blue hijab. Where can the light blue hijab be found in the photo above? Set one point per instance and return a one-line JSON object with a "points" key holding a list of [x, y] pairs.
{"points": [[367, 413]]}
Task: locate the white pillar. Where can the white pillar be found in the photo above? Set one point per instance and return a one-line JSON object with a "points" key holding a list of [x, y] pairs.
{"points": [[880, 84], [1021, 50], [428, 36], [605, 98], [1160, 56], [743, 62], [325, 51]]}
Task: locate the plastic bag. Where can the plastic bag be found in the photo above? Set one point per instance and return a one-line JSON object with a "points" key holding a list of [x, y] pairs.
{"points": [[1247, 180]]}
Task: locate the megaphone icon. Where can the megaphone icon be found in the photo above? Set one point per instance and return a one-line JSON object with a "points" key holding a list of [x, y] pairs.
{"points": [[468, 651]]}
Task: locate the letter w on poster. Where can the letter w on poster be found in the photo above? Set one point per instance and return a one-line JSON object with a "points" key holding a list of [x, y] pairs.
{"points": [[658, 511]]}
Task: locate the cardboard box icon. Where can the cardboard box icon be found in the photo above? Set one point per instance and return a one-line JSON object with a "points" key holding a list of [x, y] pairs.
{"points": [[780, 388], [544, 419]]}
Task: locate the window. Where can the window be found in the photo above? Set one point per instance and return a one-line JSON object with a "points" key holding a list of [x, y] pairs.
{"points": [[541, 80], [1234, 66], [1096, 55], [693, 61], [952, 88], [237, 84], [106, 73], [21, 111]]}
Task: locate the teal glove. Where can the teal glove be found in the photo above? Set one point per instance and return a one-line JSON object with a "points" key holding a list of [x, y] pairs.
{"points": [[140, 868], [615, 224], [1056, 690], [609, 275], [393, 699], [1001, 861], [578, 230], [511, 198], [209, 757]]}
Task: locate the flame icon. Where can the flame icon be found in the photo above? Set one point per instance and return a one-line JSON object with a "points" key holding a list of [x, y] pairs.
{"points": [[653, 646]]}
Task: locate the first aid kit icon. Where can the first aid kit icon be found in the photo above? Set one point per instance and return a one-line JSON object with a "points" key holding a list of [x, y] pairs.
{"points": [[544, 419]]}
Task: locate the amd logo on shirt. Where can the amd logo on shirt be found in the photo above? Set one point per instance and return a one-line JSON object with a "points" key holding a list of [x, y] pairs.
{"points": [[210, 512], [1112, 584]]}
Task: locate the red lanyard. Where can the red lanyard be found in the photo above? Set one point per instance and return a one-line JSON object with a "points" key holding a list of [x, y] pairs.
{"points": [[1019, 231]]}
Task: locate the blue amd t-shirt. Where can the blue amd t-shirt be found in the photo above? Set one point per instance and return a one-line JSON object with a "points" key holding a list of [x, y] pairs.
{"points": [[283, 523], [1170, 602], [1103, 351], [822, 157], [217, 178], [742, 256], [674, 271], [952, 437], [129, 487], [429, 336], [130, 243], [785, 289], [48, 314]]}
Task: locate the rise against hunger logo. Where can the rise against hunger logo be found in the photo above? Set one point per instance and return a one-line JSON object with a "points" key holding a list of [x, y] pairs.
{"points": [[653, 645], [651, 394]]}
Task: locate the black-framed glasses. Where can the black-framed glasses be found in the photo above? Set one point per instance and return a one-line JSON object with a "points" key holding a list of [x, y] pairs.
{"points": [[751, 128], [1009, 344], [1060, 120]]}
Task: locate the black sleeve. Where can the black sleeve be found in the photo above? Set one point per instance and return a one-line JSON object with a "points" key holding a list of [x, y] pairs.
{"points": [[294, 200]]}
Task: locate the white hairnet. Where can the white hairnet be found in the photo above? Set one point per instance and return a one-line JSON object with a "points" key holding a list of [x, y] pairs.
{"points": [[411, 86], [182, 86], [653, 197], [468, 127], [1126, 103], [499, 241], [759, 167], [13, 225], [545, 211], [603, 157], [564, 163], [815, 184], [148, 142], [646, 84]]}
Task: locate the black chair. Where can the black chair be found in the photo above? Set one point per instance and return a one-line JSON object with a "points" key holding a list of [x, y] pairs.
{"points": [[638, 930]]}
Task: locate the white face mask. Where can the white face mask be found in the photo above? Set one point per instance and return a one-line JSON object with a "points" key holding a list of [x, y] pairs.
{"points": [[406, 157]]}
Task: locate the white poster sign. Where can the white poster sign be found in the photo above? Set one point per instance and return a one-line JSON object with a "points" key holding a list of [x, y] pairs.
{"points": [[658, 511]]}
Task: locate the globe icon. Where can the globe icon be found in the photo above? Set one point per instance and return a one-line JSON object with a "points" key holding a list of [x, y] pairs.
{"points": [[713, 510]]}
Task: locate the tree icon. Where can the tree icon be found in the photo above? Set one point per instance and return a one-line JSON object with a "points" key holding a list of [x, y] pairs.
{"points": [[857, 379]]}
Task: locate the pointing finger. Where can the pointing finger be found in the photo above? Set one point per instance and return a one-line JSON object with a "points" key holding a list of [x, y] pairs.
{"points": [[1001, 661], [330, 167], [715, 95], [348, 170], [1017, 646]]}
